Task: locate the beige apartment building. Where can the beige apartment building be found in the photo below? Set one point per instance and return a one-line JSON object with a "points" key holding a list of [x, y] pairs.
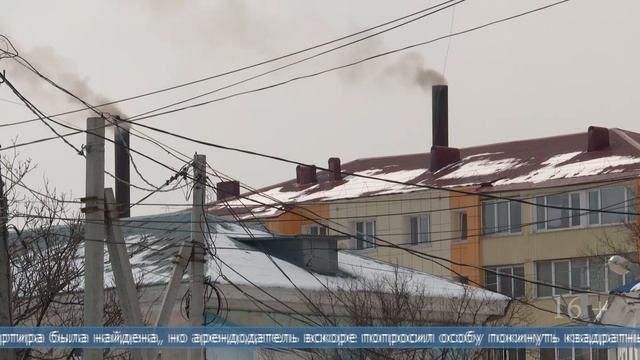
{"points": [[533, 219], [572, 198]]}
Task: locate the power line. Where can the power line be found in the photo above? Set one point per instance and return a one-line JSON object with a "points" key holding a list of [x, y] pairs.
{"points": [[229, 72], [316, 73], [379, 55], [141, 115], [391, 181], [420, 253]]}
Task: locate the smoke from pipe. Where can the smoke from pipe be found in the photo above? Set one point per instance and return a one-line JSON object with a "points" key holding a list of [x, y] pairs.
{"points": [[412, 69], [61, 71]]}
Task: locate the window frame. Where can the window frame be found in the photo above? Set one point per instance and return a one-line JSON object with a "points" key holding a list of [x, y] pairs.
{"points": [[497, 271], [583, 218], [590, 261], [307, 229], [586, 218], [628, 204], [419, 232], [360, 244], [463, 225], [509, 229]]}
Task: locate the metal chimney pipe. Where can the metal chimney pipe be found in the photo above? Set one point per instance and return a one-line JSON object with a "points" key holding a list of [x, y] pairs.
{"points": [[440, 115], [122, 170]]}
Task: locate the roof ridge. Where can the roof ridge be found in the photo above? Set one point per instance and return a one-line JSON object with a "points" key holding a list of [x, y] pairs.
{"points": [[623, 134], [468, 147]]}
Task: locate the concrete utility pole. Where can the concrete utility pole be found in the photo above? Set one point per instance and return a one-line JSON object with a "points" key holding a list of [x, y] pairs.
{"points": [[170, 293], [121, 267], [5, 270], [196, 305], [94, 230]]}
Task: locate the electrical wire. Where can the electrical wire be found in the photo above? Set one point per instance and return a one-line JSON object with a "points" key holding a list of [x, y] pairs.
{"points": [[317, 73], [11, 52]]}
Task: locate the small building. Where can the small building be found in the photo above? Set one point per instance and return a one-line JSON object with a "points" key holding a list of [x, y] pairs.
{"points": [[261, 279]]}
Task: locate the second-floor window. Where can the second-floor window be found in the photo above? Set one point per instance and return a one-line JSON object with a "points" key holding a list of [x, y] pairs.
{"points": [[501, 217], [558, 211], [420, 228], [506, 280], [365, 234], [562, 211], [617, 199]]}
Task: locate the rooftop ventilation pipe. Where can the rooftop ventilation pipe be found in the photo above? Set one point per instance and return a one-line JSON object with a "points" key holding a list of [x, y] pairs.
{"points": [[227, 189], [122, 170], [441, 154], [306, 174], [335, 168], [597, 138]]}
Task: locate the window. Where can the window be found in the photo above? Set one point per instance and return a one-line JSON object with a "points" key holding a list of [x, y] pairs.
{"points": [[365, 234], [507, 354], [459, 225], [462, 225], [573, 354], [561, 211], [501, 217], [579, 274], [420, 227], [613, 199], [505, 280], [315, 230], [558, 211]]}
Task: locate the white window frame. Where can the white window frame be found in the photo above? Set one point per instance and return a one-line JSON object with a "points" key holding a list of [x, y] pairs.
{"points": [[505, 354], [307, 229], [498, 270], [570, 285], [584, 216], [584, 204], [372, 237], [495, 218], [627, 205], [419, 231], [458, 227], [573, 353]]}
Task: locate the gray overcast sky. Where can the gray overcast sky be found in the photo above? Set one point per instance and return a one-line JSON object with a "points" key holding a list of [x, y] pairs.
{"points": [[554, 72]]}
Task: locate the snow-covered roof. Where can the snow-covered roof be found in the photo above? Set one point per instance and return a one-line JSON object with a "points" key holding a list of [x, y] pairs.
{"points": [[153, 243], [543, 162]]}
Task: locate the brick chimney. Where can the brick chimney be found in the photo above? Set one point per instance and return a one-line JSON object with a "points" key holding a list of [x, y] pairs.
{"points": [[306, 175], [227, 189], [335, 168], [597, 138]]}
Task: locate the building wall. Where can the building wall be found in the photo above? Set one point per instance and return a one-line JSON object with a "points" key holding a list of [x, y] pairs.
{"points": [[391, 214], [467, 250], [531, 246], [292, 223]]}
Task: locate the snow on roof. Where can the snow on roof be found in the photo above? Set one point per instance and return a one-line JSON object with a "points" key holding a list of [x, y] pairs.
{"points": [[544, 162], [153, 243]]}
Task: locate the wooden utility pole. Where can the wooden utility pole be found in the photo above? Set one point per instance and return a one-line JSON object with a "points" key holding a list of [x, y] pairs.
{"points": [[196, 305], [94, 230], [5, 270]]}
